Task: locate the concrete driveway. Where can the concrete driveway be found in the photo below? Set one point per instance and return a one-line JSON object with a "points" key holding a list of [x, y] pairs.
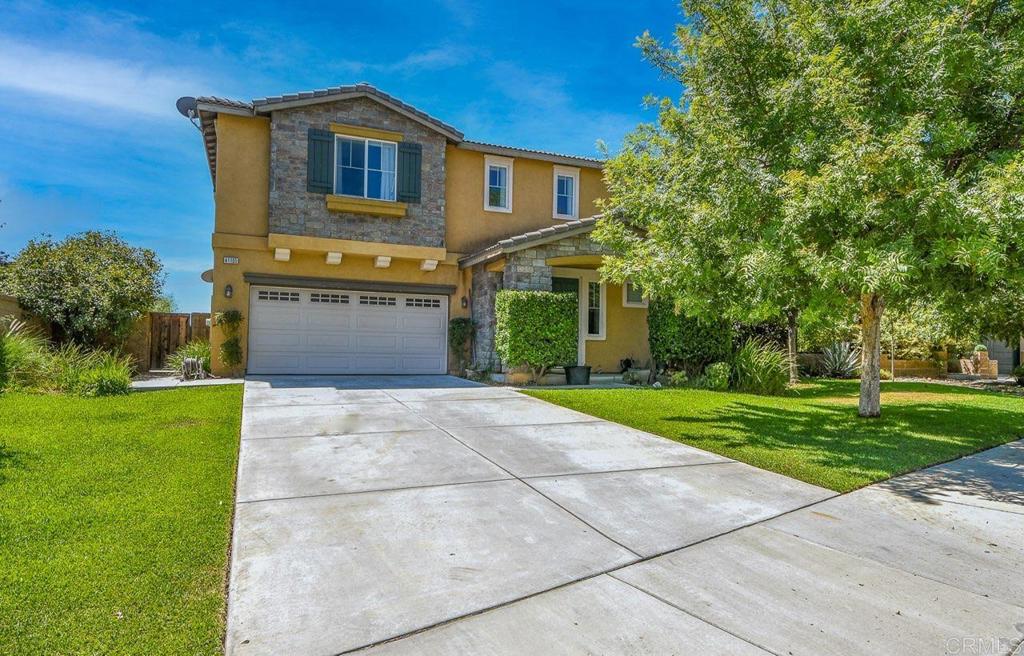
{"points": [[430, 515]]}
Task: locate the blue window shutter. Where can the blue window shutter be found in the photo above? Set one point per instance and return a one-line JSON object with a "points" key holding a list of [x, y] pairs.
{"points": [[410, 163], [320, 162]]}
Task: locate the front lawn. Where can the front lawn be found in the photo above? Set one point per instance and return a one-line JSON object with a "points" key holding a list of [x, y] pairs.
{"points": [[814, 434], [114, 521]]}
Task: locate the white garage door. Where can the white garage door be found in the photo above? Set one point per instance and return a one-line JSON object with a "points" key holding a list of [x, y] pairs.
{"points": [[315, 331]]}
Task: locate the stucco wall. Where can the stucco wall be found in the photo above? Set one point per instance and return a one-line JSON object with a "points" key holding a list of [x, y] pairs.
{"points": [[470, 227], [243, 169], [295, 211], [625, 335]]}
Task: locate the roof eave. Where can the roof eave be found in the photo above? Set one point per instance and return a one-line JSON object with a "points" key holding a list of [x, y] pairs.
{"points": [[267, 107], [508, 151], [507, 246]]}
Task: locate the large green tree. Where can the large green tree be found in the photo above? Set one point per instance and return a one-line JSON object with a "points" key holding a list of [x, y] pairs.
{"points": [[865, 152], [91, 286]]}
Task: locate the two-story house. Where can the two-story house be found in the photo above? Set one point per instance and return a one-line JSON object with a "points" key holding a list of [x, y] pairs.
{"points": [[350, 227]]}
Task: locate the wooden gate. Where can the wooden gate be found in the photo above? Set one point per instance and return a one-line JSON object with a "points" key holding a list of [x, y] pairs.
{"points": [[171, 330]]}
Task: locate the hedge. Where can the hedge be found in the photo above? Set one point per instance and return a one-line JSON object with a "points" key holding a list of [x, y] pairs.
{"points": [[683, 342], [538, 330]]}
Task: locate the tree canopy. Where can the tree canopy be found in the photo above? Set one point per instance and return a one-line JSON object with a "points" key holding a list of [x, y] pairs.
{"points": [[863, 153], [92, 286]]}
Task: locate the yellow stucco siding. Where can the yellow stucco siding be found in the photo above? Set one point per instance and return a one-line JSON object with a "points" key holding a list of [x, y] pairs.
{"points": [[312, 265], [243, 175], [626, 335], [469, 227]]}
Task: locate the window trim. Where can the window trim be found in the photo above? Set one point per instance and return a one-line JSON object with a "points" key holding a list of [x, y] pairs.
{"points": [[602, 309], [567, 172], [626, 303], [366, 164], [507, 163]]}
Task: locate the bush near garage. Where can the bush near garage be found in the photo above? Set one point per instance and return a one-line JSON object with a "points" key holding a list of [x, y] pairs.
{"points": [[536, 329], [682, 342]]}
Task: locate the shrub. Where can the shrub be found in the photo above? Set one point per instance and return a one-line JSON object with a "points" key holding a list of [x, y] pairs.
{"points": [[772, 332], [90, 372], [840, 360], [109, 378], [981, 348], [684, 342], [1018, 373], [716, 376], [460, 332], [199, 349], [678, 379], [760, 367], [93, 285], [630, 377], [24, 357], [536, 329], [229, 322]]}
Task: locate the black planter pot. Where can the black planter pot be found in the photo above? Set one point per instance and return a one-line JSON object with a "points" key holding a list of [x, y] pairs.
{"points": [[577, 375]]}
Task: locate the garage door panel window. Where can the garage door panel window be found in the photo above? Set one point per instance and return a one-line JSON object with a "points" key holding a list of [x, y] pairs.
{"points": [[273, 295], [378, 300], [423, 302], [333, 299]]}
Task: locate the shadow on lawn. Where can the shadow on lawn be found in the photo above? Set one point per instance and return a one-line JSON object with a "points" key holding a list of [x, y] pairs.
{"points": [[9, 459], [907, 437]]}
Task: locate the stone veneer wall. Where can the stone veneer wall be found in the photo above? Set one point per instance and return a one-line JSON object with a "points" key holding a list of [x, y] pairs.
{"points": [[528, 268], [295, 211], [485, 287]]}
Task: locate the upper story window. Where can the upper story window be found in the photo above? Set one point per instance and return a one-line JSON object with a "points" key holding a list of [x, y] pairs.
{"points": [[365, 168], [497, 184], [566, 193]]}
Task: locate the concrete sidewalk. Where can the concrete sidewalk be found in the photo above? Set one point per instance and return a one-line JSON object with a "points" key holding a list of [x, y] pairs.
{"points": [[429, 515]]}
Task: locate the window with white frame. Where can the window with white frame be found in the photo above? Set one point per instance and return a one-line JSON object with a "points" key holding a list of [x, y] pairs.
{"points": [[365, 168], [497, 184], [633, 296], [566, 193], [595, 309]]}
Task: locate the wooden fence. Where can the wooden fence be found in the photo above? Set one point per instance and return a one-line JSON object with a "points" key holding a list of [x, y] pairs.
{"points": [[169, 331]]}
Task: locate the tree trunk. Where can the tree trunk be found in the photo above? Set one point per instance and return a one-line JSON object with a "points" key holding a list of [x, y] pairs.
{"points": [[792, 345], [871, 307]]}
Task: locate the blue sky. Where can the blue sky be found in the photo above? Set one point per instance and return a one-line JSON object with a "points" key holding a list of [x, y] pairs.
{"points": [[90, 139]]}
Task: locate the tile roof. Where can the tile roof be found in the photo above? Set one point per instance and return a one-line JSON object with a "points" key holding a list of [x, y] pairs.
{"points": [[592, 161], [209, 106], [325, 95], [532, 238]]}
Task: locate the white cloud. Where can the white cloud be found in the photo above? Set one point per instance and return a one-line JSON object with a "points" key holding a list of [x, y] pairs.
{"points": [[81, 78]]}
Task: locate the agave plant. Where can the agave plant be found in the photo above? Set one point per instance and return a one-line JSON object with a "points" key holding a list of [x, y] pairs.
{"points": [[840, 360]]}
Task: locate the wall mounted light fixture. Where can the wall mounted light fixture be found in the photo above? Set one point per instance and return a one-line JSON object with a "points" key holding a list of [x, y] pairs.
{"points": [[465, 302], [228, 291]]}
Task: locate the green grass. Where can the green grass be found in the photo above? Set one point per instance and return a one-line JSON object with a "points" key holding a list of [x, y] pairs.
{"points": [[814, 433], [114, 521]]}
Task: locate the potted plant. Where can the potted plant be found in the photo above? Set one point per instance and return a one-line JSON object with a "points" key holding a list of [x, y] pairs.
{"points": [[1018, 373], [577, 374]]}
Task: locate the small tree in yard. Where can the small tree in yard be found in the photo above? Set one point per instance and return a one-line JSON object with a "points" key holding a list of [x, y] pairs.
{"points": [[864, 153], [538, 330], [91, 286]]}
